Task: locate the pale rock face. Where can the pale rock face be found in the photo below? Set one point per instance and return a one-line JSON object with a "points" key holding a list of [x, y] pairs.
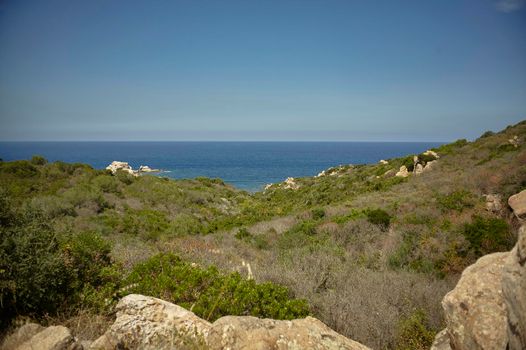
{"points": [[268, 186], [475, 310], [430, 165], [403, 172], [493, 203], [383, 162], [22, 335], [514, 290], [514, 141], [147, 169], [431, 153], [441, 341], [149, 323], [123, 166], [290, 183], [52, 338], [246, 332], [419, 169], [389, 173], [517, 202]]}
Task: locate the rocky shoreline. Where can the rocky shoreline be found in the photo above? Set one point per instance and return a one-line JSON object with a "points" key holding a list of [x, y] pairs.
{"points": [[125, 166]]}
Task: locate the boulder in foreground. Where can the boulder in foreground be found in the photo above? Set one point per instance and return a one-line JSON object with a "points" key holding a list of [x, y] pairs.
{"points": [[150, 323]]}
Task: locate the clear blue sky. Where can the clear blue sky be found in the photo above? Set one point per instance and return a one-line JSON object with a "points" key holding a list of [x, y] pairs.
{"points": [[261, 70]]}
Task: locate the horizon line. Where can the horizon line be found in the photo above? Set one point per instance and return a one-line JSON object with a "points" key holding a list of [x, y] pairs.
{"points": [[253, 141]]}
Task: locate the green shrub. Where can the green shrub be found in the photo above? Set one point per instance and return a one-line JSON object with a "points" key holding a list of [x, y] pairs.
{"points": [[210, 294], [317, 213], [86, 254], [408, 256], [378, 217], [451, 147], [457, 200], [260, 242], [409, 163], [38, 160], [426, 158], [32, 277], [487, 235], [38, 273], [19, 168], [243, 234], [487, 134], [107, 184], [124, 177], [414, 332]]}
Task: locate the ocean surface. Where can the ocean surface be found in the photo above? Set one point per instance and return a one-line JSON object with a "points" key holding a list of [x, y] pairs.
{"points": [[245, 165]]}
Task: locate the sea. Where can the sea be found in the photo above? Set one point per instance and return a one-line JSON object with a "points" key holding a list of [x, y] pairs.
{"points": [[246, 165]]}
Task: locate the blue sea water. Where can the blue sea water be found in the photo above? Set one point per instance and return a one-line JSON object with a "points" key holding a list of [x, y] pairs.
{"points": [[245, 165]]}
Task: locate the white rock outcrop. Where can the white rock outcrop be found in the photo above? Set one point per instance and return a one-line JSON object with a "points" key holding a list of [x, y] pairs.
{"points": [[123, 166], [431, 153], [403, 172], [147, 169], [291, 184]]}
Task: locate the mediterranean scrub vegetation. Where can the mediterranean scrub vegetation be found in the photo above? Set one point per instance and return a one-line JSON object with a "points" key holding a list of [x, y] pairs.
{"points": [[366, 252]]}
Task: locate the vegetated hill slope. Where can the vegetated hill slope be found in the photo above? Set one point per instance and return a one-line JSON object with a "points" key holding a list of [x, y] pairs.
{"points": [[371, 252]]}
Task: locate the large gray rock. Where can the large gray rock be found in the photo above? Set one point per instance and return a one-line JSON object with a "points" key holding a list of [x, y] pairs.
{"points": [[235, 332], [475, 310], [514, 289], [149, 323], [517, 202], [52, 338]]}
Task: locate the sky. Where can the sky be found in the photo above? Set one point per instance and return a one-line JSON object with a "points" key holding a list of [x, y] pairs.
{"points": [[349, 70]]}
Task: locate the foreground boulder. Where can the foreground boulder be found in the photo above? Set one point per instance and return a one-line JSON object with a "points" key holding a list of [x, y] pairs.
{"points": [[149, 323], [246, 332], [475, 310], [51, 338], [21, 335], [517, 203], [514, 290]]}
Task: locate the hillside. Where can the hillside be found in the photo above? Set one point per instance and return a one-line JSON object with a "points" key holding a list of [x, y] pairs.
{"points": [[369, 253]]}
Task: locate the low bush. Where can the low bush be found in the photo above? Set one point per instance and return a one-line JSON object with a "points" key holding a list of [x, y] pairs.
{"points": [[38, 160], [487, 134], [378, 217], [243, 234], [457, 200], [210, 294], [487, 235], [414, 332], [40, 271], [318, 213]]}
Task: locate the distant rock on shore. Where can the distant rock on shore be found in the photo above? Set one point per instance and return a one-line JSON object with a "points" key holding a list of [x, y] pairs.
{"points": [[124, 166]]}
